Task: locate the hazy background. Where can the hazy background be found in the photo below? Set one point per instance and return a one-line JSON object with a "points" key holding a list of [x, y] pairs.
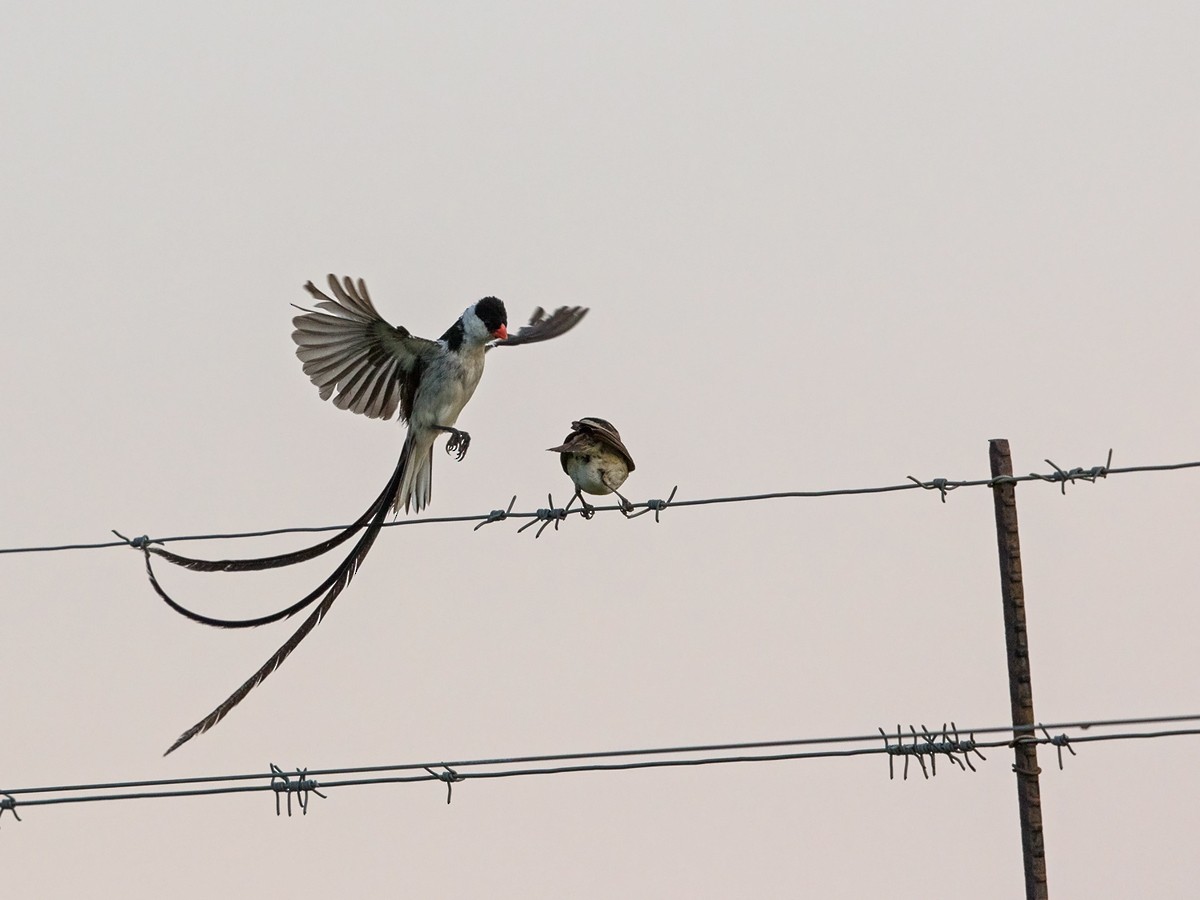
{"points": [[824, 245]]}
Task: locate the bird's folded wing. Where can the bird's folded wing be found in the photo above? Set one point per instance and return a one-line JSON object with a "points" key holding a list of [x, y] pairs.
{"points": [[542, 327], [604, 432], [351, 354]]}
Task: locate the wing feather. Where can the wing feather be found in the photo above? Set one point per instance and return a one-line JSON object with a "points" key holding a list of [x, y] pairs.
{"points": [[543, 327], [376, 391], [353, 356]]}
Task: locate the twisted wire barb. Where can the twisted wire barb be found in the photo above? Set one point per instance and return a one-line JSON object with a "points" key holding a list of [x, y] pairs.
{"points": [[497, 515], [947, 743], [449, 776], [1058, 741], [302, 786], [9, 802], [547, 516]]}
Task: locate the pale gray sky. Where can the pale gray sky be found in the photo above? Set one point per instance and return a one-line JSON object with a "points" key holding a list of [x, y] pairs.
{"points": [[824, 245]]}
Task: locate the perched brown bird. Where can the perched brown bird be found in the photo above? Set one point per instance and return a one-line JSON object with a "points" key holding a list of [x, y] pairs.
{"points": [[596, 460]]}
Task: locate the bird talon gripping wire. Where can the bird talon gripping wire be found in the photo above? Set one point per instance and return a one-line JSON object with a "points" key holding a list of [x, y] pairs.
{"points": [[497, 515], [449, 777], [302, 786]]}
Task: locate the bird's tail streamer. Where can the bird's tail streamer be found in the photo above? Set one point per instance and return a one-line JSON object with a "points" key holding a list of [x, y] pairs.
{"points": [[382, 502], [331, 587]]}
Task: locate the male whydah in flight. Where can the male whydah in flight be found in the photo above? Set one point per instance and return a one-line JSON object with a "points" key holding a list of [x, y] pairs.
{"points": [[378, 370]]}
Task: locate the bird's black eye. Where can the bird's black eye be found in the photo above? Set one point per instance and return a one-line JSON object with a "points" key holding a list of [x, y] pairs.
{"points": [[491, 312]]}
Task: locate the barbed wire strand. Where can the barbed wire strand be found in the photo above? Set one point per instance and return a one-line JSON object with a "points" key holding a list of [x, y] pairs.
{"points": [[594, 762], [1080, 724], [943, 485], [571, 769]]}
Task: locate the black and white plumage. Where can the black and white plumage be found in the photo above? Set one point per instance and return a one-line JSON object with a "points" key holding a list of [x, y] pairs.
{"points": [[369, 367], [596, 459]]}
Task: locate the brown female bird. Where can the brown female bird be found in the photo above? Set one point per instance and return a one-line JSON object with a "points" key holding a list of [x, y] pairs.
{"points": [[596, 460]]}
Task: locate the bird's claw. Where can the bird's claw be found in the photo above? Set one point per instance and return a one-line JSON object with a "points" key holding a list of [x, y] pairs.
{"points": [[459, 442], [588, 509]]}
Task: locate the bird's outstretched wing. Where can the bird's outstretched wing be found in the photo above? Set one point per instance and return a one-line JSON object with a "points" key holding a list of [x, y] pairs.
{"points": [[542, 327], [351, 354]]}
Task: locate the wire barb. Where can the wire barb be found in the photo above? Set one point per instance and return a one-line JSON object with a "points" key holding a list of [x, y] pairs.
{"points": [[448, 776], [545, 516], [497, 515], [282, 783], [1079, 473], [656, 506], [947, 742], [137, 543], [9, 802], [936, 484], [1058, 741]]}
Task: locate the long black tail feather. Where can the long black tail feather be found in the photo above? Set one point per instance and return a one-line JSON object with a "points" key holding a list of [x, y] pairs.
{"points": [[383, 501], [273, 562], [336, 583]]}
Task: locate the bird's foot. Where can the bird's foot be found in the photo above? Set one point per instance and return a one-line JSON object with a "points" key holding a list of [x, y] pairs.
{"points": [[588, 511], [626, 506], [458, 443]]}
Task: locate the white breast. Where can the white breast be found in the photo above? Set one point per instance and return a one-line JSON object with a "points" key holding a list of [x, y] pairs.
{"points": [[597, 474], [446, 386]]}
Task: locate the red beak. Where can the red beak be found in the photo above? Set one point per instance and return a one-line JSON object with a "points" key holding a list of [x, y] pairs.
{"points": [[501, 333]]}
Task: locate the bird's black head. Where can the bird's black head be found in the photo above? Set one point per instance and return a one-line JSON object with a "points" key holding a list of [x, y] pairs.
{"points": [[492, 313]]}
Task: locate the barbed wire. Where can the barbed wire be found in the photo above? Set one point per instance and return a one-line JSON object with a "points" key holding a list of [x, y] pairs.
{"points": [[552, 514], [923, 744]]}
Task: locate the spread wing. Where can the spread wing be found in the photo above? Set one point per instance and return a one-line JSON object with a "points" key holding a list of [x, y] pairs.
{"points": [[542, 327], [353, 355]]}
